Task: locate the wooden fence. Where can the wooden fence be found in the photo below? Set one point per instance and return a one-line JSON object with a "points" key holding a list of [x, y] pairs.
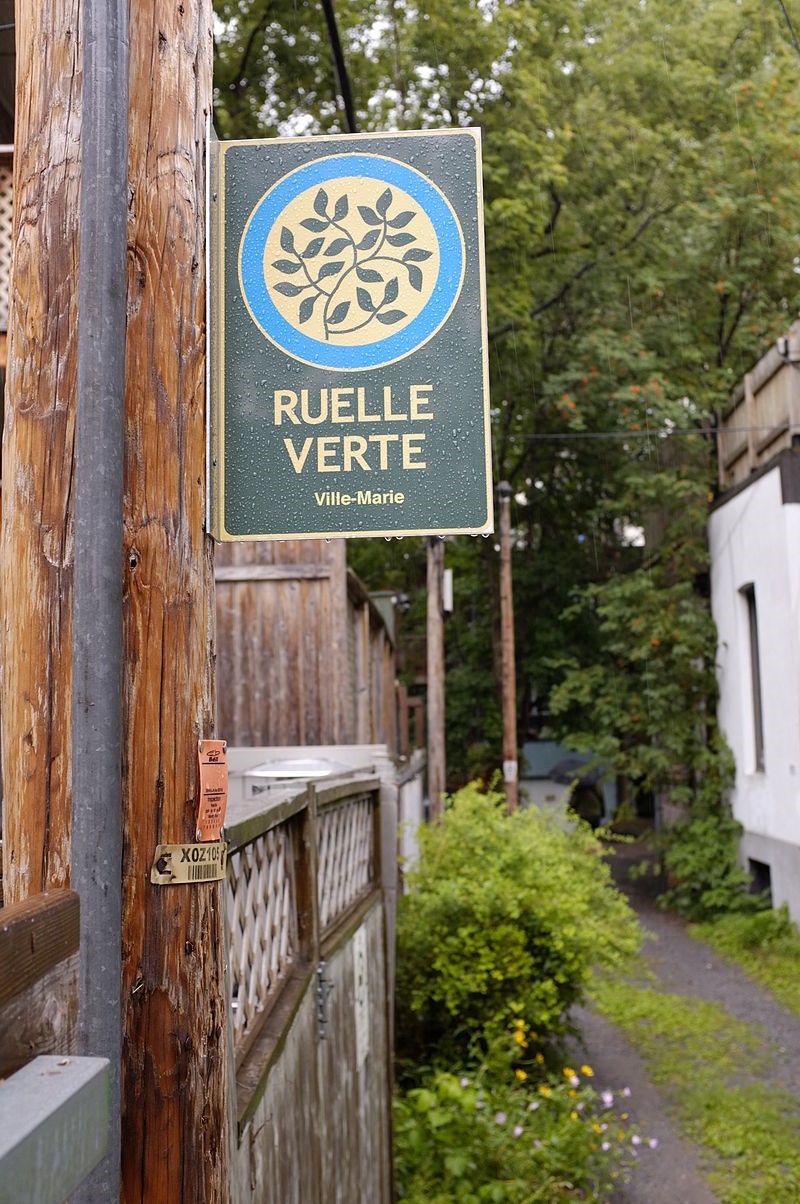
{"points": [[53, 1105], [310, 998], [303, 654], [762, 417]]}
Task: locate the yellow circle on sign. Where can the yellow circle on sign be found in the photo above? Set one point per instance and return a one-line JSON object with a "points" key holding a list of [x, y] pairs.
{"points": [[351, 262]]}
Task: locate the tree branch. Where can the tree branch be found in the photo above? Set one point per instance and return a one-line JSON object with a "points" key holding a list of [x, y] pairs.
{"points": [[561, 293]]}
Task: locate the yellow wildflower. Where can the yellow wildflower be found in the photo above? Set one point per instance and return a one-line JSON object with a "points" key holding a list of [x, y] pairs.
{"points": [[540, 1059], [573, 1115], [545, 1091], [596, 1128], [587, 1070], [572, 1094], [521, 1074], [520, 1039], [569, 1073]]}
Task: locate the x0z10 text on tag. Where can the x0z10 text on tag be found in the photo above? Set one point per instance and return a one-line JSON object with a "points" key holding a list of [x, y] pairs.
{"points": [[177, 863]]}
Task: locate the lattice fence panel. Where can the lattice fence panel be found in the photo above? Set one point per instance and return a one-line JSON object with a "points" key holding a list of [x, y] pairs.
{"points": [[6, 209], [345, 856], [263, 923]]}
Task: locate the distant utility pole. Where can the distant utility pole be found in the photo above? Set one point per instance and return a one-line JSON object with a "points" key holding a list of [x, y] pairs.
{"points": [[435, 646], [509, 672]]}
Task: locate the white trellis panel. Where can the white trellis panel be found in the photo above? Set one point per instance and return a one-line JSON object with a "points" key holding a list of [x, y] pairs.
{"points": [[263, 925], [345, 856]]}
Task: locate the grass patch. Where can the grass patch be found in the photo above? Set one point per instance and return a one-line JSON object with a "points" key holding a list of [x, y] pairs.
{"points": [[765, 944], [747, 1133]]}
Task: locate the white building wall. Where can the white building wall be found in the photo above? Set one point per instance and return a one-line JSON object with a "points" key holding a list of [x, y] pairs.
{"points": [[754, 538]]}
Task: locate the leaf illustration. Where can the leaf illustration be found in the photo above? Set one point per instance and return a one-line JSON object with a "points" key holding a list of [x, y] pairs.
{"points": [[313, 223], [339, 314], [369, 216], [287, 266], [307, 307], [391, 291], [416, 255], [365, 301], [368, 275], [287, 240], [330, 269], [321, 203], [342, 206], [313, 248], [414, 277], [288, 290], [400, 240], [390, 317], [369, 240], [384, 201], [402, 219], [337, 245]]}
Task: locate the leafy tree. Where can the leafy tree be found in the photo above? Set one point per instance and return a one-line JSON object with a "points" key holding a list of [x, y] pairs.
{"points": [[640, 195]]}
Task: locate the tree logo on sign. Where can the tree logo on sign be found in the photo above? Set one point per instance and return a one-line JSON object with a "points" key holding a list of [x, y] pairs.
{"points": [[347, 271], [352, 261]]}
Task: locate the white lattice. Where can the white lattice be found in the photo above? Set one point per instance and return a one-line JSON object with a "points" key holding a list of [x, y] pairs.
{"points": [[262, 919], [345, 857], [6, 207]]}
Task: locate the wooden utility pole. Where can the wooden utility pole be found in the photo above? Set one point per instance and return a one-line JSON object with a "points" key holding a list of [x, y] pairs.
{"points": [[435, 652], [175, 1122], [509, 683], [36, 546], [175, 1131]]}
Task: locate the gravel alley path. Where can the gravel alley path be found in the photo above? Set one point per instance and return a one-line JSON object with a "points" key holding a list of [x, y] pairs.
{"points": [[684, 966]]}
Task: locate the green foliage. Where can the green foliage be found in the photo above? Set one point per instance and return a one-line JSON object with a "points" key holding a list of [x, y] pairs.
{"points": [[640, 201], [705, 876], [487, 1137], [714, 1069], [503, 915], [765, 943]]}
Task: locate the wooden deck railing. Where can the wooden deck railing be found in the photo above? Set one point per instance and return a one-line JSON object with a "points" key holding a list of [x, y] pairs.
{"points": [[54, 1113]]}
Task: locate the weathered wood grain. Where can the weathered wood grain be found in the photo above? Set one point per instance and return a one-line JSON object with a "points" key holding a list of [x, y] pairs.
{"points": [[36, 545], [175, 1135], [35, 935], [282, 666], [39, 940], [321, 1130], [42, 1019]]}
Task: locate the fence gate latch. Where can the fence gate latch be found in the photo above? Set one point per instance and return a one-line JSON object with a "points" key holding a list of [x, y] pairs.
{"points": [[324, 988]]}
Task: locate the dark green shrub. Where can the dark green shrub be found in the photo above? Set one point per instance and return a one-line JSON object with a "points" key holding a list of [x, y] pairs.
{"points": [[705, 876], [504, 916]]}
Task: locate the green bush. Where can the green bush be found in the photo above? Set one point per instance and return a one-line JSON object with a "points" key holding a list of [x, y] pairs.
{"points": [[504, 916], [705, 876], [476, 1138]]}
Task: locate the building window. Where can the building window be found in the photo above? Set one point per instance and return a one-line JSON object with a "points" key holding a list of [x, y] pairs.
{"points": [[748, 592]]}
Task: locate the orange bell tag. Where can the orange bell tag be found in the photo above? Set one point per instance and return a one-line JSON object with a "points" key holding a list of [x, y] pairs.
{"points": [[213, 758]]}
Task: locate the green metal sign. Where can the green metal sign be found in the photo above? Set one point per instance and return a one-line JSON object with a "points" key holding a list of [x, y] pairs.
{"points": [[348, 368]]}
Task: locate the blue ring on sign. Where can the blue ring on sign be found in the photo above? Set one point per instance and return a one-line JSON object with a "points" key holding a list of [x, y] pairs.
{"points": [[395, 346]]}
